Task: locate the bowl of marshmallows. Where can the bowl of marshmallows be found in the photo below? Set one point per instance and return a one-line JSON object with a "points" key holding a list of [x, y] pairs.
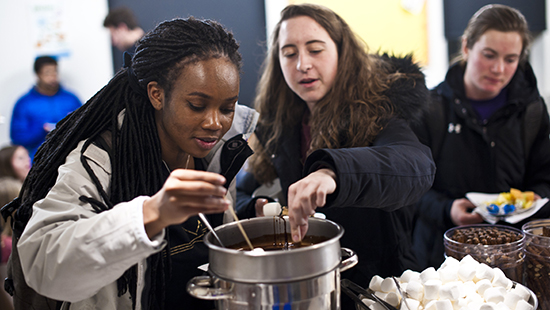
{"points": [[455, 285]]}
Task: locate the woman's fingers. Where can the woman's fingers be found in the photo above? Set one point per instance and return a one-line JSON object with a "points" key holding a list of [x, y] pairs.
{"points": [[307, 195]]}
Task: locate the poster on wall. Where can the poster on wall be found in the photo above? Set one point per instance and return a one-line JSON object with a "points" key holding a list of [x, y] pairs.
{"points": [[49, 27]]}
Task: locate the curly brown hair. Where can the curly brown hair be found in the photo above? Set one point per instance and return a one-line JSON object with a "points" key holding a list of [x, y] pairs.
{"points": [[351, 114]]}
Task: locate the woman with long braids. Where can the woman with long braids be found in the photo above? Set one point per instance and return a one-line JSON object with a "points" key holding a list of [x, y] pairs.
{"points": [[333, 131], [113, 196]]}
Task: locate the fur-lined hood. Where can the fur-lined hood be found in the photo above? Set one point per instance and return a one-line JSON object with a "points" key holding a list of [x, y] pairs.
{"points": [[409, 97]]}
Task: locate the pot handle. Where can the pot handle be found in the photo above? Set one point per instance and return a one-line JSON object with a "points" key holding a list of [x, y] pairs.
{"points": [[350, 259], [202, 287]]}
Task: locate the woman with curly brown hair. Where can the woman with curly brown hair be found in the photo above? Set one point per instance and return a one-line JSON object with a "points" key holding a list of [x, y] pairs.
{"points": [[333, 130]]}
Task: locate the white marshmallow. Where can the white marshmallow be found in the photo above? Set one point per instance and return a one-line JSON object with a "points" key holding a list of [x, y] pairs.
{"points": [[415, 290], [367, 301], [450, 261], [468, 259], [375, 283], [500, 279], [413, 303], [475, 305], [430, 305], [409, 275], [484, 271], [474, 298], [483, 285], [451, 291], [448, 273], [488, 306], [431, 289], [443, 305], [429, 274], [388, 285], [272, 209], [511, 300], [502, 306], [461, 303], [380, 294], [522, 291], [377, 306], [523, 305], [467, 271], [493, 294], [393, 299]]}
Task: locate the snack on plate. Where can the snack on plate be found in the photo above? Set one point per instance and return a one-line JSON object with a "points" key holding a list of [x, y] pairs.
{"points": [[465, 284], [508, 202]]}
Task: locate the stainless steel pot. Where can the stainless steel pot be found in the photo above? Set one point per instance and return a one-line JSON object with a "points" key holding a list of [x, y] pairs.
{"points": [[301, 278]]}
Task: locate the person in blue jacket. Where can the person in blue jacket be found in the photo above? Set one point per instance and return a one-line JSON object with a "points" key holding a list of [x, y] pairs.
{"points": [[36, 112], [333, 131]]}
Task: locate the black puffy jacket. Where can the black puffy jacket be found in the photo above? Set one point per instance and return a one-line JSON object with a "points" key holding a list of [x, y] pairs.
{"points": [[472, 156], [377, 185]]}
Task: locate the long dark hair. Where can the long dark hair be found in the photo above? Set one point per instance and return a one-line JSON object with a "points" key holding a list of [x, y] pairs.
{"points": [[351, 114], [137, 167]]}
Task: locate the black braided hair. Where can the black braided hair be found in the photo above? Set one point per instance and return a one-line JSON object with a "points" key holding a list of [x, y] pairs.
{"points": [[137, 167]]}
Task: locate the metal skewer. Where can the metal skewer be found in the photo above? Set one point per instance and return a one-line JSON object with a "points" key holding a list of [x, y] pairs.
{"points": [[205, 221]]}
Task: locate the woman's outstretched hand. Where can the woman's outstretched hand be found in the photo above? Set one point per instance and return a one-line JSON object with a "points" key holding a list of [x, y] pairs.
{"points": [[307, 195], [184, 194]]}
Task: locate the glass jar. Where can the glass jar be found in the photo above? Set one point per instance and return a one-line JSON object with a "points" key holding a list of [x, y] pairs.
{"points": [[495, 245], [537, 259]]}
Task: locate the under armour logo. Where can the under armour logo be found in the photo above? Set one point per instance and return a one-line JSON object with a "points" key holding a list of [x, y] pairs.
{"points": [[456, 128]]}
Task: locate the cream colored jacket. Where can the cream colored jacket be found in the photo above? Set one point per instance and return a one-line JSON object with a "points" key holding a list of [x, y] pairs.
{"points": [[68, 252]]}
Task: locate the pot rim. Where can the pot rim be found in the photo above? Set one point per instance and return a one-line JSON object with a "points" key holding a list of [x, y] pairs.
{"points": [[248, 253]]}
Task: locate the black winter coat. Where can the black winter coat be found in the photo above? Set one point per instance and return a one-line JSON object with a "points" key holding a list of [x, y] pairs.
{"points": [[377, 185], [472, 156]]}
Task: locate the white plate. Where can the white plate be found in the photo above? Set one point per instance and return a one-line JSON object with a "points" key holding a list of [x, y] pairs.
{"points": [[481, 200]]}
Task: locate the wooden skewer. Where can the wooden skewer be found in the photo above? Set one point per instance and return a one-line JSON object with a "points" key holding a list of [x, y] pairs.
{"points": [[232, 213], [241, 227]]}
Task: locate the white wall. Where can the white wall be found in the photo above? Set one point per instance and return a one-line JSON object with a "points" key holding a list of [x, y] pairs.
{"points": [[438, 60], [437, 55], [84, 70]]}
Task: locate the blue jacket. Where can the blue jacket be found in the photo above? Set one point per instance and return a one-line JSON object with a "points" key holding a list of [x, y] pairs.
{"points": [[33, 110]]}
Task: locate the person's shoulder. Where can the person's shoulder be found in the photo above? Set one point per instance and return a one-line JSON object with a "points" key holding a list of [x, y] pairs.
{"points": [[30, 94]]}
